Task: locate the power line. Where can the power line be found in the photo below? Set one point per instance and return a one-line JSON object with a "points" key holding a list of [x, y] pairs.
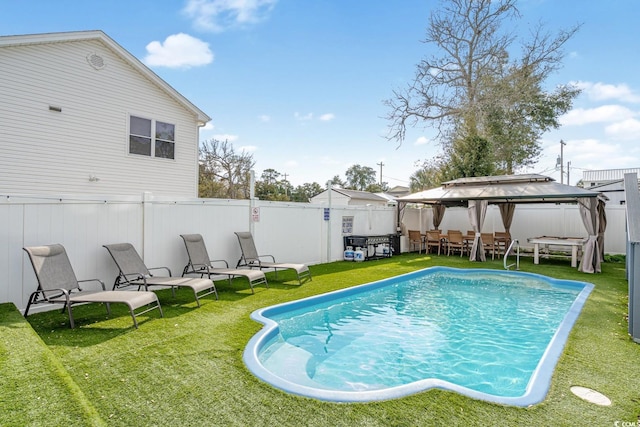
{"points": [[396, 179]]}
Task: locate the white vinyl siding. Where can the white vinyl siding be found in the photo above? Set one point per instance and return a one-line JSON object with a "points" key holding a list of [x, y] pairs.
{"points": [[48, 151]]}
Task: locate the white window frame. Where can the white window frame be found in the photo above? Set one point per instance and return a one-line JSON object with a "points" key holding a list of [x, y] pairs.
{"points": [[153, 138]]}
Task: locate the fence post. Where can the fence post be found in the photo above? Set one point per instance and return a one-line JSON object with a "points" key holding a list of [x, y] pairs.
{"points": [[329, 191], [147, 224], [632, 205]]}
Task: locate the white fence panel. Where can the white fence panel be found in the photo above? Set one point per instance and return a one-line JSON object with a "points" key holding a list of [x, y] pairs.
{"points": [[11, 271], [291, 232], [82, 226], [166, 220]]}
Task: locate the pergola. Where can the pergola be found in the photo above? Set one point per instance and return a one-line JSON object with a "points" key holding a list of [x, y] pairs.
{"points": [[508, 190]]}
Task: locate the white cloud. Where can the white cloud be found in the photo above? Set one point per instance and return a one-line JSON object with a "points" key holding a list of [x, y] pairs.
{"points": [[178, 51], [292, 164], [601, 91], [208, 126], [589, 154], [421, 141], [221, 15], [604, 113], [301, 117], [248, 148], [264, 118], [628, 129], [327, 117], [225, 137]]}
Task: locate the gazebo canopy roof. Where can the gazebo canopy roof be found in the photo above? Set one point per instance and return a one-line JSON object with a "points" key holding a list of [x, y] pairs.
{"points": [[528, 188]]}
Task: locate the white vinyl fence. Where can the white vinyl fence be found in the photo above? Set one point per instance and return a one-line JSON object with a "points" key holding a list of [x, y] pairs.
{"points": [[292, 232]]}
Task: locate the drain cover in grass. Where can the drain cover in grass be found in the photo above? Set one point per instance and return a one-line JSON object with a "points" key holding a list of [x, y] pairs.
{"points": [[591, 396]]}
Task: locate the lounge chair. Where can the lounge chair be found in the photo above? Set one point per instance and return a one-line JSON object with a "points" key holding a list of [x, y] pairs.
{"points": [[251, 259], [133, 272], [200, 263], [57, 284]]}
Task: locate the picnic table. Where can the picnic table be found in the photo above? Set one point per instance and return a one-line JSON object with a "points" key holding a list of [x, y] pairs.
{"points": [[575, 243]]}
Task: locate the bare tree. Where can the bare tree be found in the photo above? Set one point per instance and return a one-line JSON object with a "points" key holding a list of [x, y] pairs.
{"points": [[472, 87], [223, 172]]}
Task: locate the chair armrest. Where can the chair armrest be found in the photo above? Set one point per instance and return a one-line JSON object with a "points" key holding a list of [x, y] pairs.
{"points": [[265, 256], [92, 280], [226, 264], [161, 268], [57, 293]]}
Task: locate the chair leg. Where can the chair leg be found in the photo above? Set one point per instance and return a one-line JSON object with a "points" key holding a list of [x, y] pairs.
{"points": [[71, 322], [133, 316]]}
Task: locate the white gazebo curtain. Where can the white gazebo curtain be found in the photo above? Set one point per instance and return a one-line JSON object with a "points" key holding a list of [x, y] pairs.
{"points": [[591, 258], [438, 214], [477, 210], [602, 226], [506, 212]]}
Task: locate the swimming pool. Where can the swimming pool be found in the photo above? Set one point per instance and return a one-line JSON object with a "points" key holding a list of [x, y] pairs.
{"points": [[488, 334]]}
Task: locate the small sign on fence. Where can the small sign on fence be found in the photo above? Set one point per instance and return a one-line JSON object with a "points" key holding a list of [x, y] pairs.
{"points": [[255, 214]]}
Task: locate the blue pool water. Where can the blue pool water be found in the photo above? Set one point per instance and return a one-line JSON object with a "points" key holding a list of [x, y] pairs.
{"points": [[492, 335]]}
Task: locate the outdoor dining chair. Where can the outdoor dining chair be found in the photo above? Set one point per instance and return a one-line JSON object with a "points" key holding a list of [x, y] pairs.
{"points": [[433, 240], [455, 242], [489, 243], [415, 238]]}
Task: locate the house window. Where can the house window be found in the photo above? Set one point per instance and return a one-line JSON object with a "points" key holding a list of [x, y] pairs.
{"points": [[151, 138]]}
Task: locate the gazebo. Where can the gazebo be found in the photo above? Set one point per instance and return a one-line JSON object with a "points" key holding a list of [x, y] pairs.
{"points": [[508, 190]]}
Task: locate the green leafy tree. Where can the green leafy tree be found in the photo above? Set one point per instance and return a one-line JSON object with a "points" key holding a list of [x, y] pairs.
{"points": [[473, 88], [271, 187], [377, 188], [336, 182], [430, 175], [469, 156], [360, 177], [304, 192]]}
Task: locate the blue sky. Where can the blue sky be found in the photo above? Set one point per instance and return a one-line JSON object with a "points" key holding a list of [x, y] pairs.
{"points": [[301, 83]]}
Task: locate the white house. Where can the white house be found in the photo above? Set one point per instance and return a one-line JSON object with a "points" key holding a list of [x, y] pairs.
{"points": [[81, 115], [608, 181], [341, 197]]}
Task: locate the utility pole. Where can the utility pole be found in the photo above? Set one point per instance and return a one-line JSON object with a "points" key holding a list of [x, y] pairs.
{"points": [[380, 164], [568, 169], [286, 189], [560, 161]]}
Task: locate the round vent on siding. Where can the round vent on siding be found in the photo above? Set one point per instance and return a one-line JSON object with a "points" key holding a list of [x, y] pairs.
{"points": [[96, 61]]}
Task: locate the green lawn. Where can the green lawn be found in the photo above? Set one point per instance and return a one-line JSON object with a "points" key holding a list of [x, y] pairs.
{"points": [[186, 369]]}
